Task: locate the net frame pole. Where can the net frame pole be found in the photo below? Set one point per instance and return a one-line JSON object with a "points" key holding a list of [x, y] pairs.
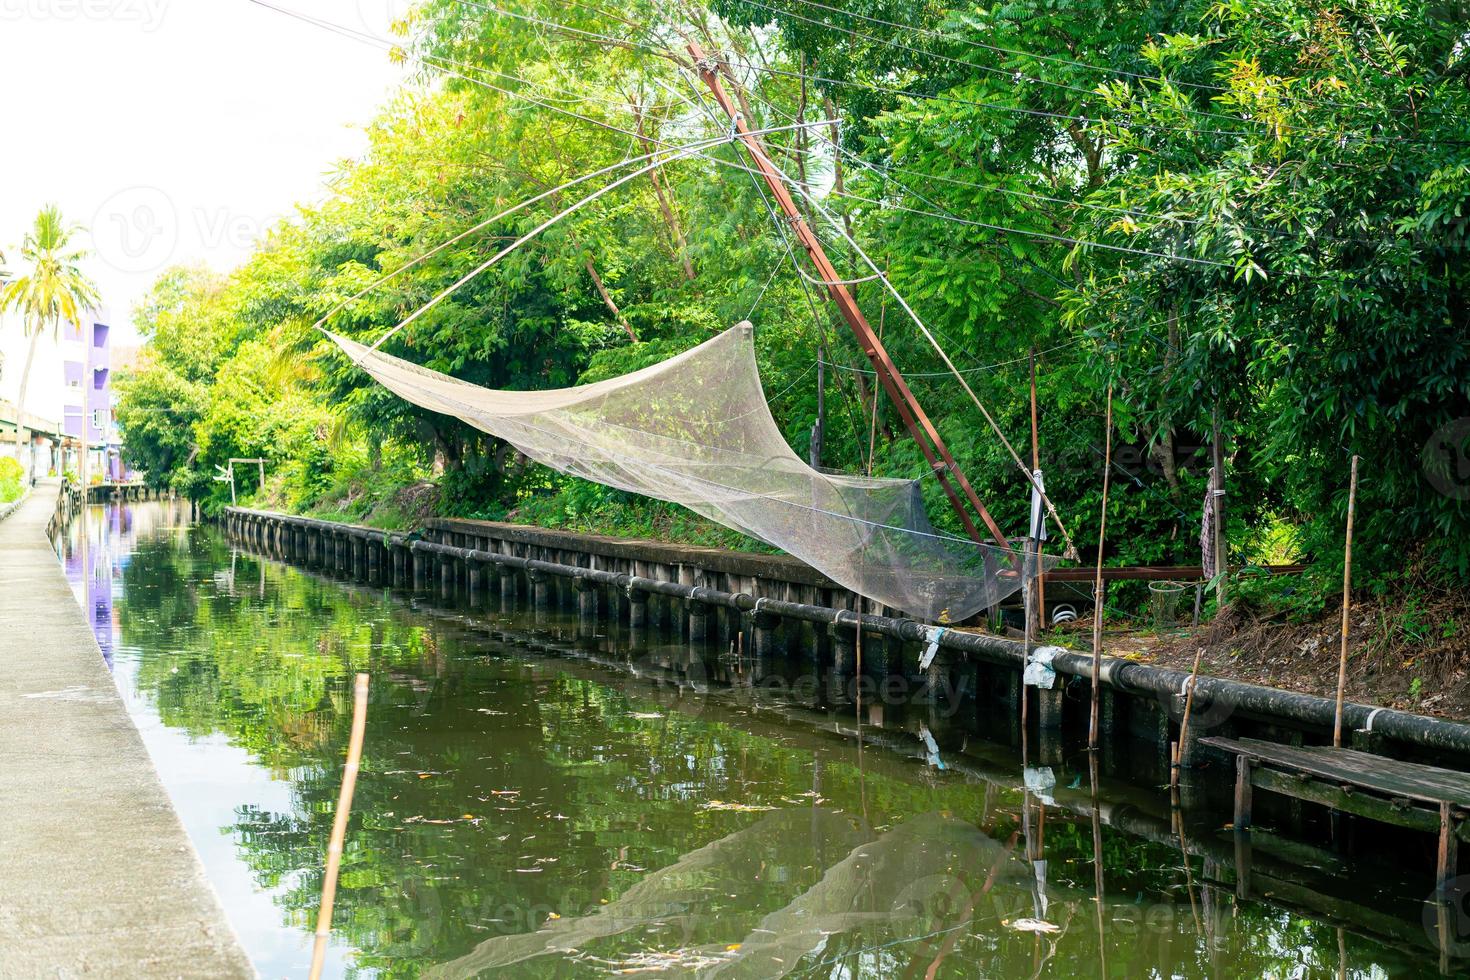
{"points": [[956, 487]]}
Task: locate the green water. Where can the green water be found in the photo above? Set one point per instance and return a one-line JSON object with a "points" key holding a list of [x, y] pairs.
{"points": [[524, 813]]}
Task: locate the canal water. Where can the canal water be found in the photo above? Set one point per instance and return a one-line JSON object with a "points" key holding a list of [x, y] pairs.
{"points": [[531, 804]]}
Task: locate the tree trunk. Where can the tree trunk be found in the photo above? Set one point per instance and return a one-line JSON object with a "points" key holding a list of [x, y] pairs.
{"points": [[665, 206], [607, 298], [21, 442]]}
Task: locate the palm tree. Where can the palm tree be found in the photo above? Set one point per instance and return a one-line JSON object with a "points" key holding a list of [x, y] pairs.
{"points": [[50, 290]]}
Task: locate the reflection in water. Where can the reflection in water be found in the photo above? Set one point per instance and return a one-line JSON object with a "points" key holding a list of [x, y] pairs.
{"points": [[524, 814]]}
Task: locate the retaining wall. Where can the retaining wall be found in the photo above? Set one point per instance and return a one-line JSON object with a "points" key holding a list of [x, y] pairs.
{"points": [[770, 605]]}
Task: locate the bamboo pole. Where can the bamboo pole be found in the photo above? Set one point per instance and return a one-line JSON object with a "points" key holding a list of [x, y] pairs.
{"points": [[339, 825], [1097, 584], [1217, 503], [1038, 583], [1178, 760], [1347, 602]]}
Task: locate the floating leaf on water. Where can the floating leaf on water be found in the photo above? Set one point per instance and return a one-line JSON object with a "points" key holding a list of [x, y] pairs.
{"points": [[737, 807]]}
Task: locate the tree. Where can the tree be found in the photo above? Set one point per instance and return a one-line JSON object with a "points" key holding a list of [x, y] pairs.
{"points": [[52, 288]]}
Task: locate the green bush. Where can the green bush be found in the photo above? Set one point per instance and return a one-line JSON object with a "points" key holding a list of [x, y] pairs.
{"points": [[12, 475]]}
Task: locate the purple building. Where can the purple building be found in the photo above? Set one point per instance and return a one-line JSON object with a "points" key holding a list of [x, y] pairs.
{"points": [[87, 370]]}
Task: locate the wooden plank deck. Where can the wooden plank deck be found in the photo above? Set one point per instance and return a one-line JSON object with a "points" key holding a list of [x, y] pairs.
{"points": [[1391, 777], [1402, 794]]}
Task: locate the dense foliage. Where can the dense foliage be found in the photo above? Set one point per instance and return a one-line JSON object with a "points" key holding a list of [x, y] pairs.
{"points": [[1245, 211]]}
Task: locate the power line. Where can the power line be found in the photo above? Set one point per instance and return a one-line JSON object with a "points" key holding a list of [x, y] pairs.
{"points": [[1056, 59], [1070, 117], [1019, 77]]}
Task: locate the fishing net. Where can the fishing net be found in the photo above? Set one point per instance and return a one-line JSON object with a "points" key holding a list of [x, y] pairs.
{"points": [[696, 430]]}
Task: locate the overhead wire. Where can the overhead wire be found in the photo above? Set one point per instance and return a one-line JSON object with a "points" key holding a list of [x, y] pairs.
{"points": [[1137, 481], [1081, 119], [826, 80], [1316, 101], [361, 36]]}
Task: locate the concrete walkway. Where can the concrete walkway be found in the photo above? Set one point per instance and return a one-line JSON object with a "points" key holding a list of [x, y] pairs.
{"points": [[97, 877]]}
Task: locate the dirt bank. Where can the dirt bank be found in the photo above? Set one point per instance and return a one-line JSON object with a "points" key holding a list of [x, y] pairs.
{"points": [[1412, 654]]}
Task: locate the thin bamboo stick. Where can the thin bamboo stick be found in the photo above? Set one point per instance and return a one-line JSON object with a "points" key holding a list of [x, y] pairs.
{"points": [[1037, 581], [339, 825], [1347, 602], [1097, 584], [1184, 728]]}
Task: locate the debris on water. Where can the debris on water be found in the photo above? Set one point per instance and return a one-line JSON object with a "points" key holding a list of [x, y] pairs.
{"points": [[1032, 925], [737, 807], [645, 715]]}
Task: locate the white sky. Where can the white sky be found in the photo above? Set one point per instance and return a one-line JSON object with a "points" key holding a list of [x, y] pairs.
{"points": [[176, 130]]}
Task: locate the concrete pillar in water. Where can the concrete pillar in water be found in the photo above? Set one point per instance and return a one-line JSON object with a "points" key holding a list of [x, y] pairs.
{"points": [[420, 563], [698, 624], [507, 589], [474, 579], [637, 618], [446, 577], [359, 559], [657, 615], [397, 556], [540, 595], [843, 673], [586, 607], [767, 633], [1012, 691], [1049, 725], [374, 561], [313, 548]]}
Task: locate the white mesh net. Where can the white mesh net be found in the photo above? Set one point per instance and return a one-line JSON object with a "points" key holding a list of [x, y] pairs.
{"points": [[696, 430]]}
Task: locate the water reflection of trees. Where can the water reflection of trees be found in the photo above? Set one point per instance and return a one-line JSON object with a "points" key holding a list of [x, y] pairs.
{"points": [[508, 798]]}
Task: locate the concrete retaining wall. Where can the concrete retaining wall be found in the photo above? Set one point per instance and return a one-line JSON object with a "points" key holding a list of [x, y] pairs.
{"points": [[775, 605]]}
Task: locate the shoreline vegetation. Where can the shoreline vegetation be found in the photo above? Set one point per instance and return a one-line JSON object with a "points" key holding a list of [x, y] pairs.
{"points": [[1248, 221]]}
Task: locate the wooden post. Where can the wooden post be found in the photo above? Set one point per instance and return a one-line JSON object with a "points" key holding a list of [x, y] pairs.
{"points": [[1449, 851], [1347, 602], [339, 825], [1242, 793], [1097, 582]]}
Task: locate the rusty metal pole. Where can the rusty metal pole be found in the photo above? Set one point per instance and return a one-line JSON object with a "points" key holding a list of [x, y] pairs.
{"points": [[956, 487]]}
